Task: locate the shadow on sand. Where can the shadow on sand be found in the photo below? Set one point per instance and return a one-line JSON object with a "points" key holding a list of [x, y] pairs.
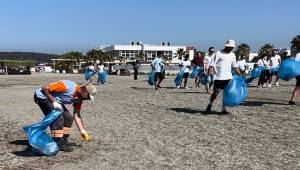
{"points": [[193, 111], [260, 103], [28, 152]]}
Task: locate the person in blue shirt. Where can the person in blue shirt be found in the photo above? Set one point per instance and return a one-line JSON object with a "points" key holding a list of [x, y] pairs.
{"points": [[156, 66]]}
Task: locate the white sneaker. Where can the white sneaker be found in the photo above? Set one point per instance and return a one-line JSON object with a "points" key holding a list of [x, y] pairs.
{"points": [[277, 84], [187, 88], [264, 86], [178, 87], [270, 85]]}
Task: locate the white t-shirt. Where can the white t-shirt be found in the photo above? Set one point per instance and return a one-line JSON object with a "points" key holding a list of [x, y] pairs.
{"points": [[206, 61], [101, 68], [297, 58], [185, 64], [264, 62], [157, 62], [223, 63], [91, 67], [275, 60], [241, 64]]}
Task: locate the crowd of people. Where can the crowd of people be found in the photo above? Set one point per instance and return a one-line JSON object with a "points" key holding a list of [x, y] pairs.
{"points": [[218, 68]]}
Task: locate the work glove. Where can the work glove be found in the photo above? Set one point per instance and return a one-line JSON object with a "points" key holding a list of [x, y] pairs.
{"points": [[84, 135], [57, 106]]}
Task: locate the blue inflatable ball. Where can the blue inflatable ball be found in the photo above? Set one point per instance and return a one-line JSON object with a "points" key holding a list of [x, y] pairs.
{"points": [[255, 73], [102, 77], [289, 69], [235, 92], [38, 139], [151, 81]]}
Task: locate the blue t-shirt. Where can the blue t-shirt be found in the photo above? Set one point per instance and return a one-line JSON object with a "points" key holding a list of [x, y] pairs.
{"points": [[157, 63]]}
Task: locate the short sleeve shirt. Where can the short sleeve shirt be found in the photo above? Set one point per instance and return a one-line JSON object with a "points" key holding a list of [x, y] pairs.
{"points": [[223, 64], [157, 62]]}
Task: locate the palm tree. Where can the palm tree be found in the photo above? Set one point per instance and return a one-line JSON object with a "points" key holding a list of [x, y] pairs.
{"points": [[73, 59], [242, 51], [140, 56], [95, 55], [295, 44], [180, 52], [265, 50]]}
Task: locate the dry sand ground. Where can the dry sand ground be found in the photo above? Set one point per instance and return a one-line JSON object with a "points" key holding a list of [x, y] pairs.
{"points": [[133, 126]]}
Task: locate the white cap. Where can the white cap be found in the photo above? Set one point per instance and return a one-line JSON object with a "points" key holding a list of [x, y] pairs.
{"points": [[92, 91], [230, 43]]}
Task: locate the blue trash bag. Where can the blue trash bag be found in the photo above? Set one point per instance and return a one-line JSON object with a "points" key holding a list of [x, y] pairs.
{"points": [[38, 139], [289, 69], [178, 78], [88, 74], [102, 77], [151, 81], [274, 69], [235, 92], [203, 78], [195, 72], [255, 73]]}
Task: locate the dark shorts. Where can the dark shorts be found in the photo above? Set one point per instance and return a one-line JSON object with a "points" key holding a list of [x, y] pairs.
{"points": [[298, 81], [220, 85], [185, 75], [157, 76]]}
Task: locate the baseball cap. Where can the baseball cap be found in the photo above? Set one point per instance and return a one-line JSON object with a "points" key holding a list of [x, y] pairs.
{"points": [[230, 43], [91, 90]]}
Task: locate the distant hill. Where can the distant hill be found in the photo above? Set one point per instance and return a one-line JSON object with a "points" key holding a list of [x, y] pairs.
{"points": [[37, 57]]}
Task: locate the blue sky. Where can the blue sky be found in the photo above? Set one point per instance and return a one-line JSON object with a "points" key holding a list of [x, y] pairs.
{"points": [[56, 26]]}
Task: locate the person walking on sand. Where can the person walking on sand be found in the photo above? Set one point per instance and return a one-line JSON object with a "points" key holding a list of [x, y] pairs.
{"points": [[222, 63], [136, 66], [54, 97], [198, 62], [266, 73], [275, 62], [297, 87], [206, 63], [185, 64], [156, 66]]}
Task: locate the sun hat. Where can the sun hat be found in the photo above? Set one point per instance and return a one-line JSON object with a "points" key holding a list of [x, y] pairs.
{"points": [[230, 43], [91, 90]]}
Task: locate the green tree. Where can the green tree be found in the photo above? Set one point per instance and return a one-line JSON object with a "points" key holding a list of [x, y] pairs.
{"points": [[97, 54], [180, 52], [295, 44], [140, 56], [72, 60], [265, 50], [242, 51]]}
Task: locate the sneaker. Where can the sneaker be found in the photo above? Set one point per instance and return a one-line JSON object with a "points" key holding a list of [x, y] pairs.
{"points": [[66, 148], [62, 145], [208, 109], [270, 85], [277, 84], [178, 87], [158, 86], [264, 86], [187, 88], [70, 143], [225, 112], [292, 103]]}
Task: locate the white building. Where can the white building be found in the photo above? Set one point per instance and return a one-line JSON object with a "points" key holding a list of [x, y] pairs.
{"points": [[130, 52]]}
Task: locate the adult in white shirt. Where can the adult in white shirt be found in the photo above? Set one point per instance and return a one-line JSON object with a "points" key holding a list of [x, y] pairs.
{"points": [[185, 64], [156, 66], [266, 74], [275, 62], [221, 64], [206, 63], [297, 87]]}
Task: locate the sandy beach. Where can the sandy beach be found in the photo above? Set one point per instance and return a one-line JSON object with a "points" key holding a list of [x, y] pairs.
{"points": [[133, 126]]}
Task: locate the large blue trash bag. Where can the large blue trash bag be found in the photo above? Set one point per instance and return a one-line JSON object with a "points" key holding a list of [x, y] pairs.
{"points": [[195, 72], [178, 78], [235, 92], [274, 69], [289, 69], [102, 77], [255, 73], [38, 139], [203, 78], [88, 74], [151, 81]]}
